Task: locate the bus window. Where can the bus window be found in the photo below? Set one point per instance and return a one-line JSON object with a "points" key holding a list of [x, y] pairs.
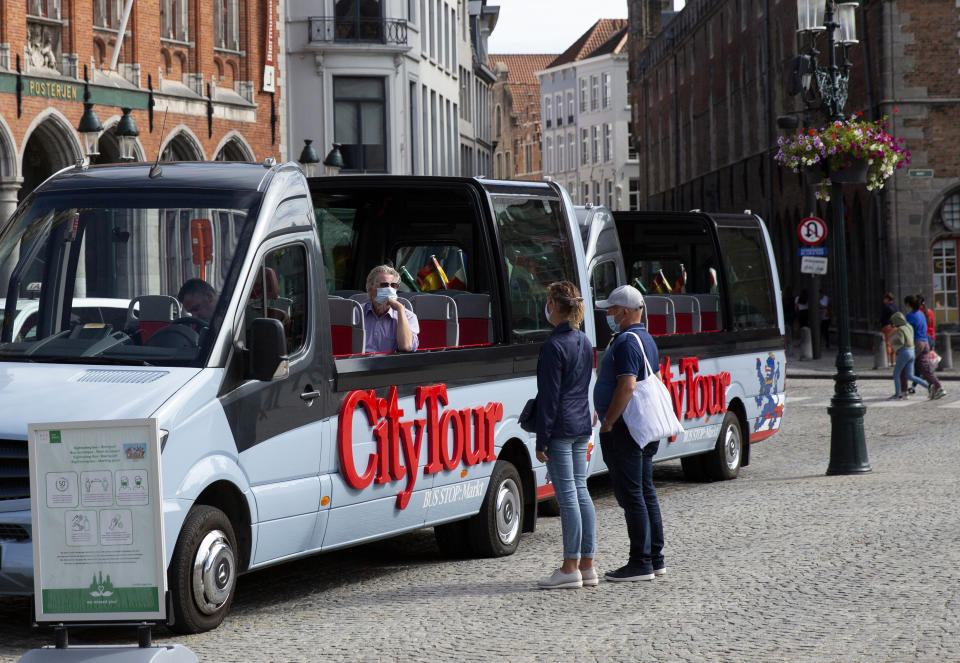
{"points": [[603, 279], [537, 251], [338, 237], [280, 292], [749, 277], [432, 267]]}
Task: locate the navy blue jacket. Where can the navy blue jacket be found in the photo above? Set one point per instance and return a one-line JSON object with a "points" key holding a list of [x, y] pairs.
{"points": [[563, 383]]}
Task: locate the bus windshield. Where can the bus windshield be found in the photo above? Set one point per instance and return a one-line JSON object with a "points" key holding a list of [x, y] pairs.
{"points": [[119, 277]]}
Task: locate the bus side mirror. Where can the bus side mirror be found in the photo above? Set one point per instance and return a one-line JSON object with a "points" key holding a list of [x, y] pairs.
{"points": [[267, 350]]}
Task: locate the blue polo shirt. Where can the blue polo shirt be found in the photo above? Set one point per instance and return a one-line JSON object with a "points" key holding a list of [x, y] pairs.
{"points": [[918, 321], [623, 357]]}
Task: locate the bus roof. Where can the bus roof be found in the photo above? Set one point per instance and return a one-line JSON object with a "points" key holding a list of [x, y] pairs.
{"points": [[174, 175]]}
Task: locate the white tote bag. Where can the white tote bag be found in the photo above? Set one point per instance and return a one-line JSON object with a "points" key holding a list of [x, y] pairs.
{"points": [[649, 414]]}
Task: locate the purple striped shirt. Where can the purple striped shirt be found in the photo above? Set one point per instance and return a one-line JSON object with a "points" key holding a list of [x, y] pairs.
{"points": [[381, 330]]}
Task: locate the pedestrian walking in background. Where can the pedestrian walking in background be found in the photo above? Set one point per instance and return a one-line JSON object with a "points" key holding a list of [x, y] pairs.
{"points": [[824, 319], [630, 465], [931, 323], [564, 427], [902, 342], [802, 303], [921, 344], [888, 309]]}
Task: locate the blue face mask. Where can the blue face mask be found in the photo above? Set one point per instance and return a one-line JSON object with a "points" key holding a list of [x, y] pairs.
{"points": [[614, 327], [383, 294]]}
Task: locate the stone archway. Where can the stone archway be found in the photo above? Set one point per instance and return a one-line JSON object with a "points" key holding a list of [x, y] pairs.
{"points": [[182, 145], [50, 145], [233, 147]]}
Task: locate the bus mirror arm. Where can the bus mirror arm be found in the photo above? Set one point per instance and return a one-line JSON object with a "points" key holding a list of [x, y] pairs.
{"points": [[268, 349]]}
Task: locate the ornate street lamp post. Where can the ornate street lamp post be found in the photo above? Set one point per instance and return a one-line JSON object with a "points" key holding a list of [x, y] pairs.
{"points": [[848, 447], [127, 136], [309, 159]]}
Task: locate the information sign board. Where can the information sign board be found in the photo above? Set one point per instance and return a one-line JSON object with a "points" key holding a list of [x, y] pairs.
{"points": [[813, 265], [97, 514], [812, 251]]}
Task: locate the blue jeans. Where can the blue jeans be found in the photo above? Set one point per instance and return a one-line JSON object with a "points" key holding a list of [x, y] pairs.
{"points": [[905, 357], [631, 470], [567, 465]]}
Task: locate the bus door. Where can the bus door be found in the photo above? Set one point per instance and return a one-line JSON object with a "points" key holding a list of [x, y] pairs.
{"points": [[279, 426]]}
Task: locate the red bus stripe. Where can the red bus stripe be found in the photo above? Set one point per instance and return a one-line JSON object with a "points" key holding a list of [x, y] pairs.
{"points": [[762, 435], [544, 491]]}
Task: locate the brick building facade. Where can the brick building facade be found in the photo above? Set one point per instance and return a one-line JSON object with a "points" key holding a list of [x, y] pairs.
{"points": [[516, 115], [708, 84], [192, 71]]}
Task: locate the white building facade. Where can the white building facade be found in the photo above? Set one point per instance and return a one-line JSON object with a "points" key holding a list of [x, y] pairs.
{"points": [[586, 124], [380, 78]]}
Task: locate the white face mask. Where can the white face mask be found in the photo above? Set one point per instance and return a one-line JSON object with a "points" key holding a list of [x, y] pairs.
{"points": [[546, 311], [383, 294]]}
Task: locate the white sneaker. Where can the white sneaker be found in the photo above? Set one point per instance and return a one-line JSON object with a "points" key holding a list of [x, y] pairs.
{"points": [[590, 577], [660, 572], [561, 580]]}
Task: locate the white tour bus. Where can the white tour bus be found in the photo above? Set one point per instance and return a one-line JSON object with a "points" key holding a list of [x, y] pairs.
{"points": [[713, 306], [280, 435]]}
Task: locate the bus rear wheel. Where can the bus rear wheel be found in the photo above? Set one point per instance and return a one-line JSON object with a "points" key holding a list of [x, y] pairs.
{"points": [[495, 531], [203, 571], [723, 463]]}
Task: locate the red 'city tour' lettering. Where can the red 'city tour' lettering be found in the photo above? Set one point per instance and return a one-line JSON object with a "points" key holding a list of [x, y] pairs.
{"points": [[400, 443], [705, 394]]}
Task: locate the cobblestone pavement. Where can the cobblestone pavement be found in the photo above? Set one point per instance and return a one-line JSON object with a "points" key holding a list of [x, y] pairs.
{"points": [[782, 564]]}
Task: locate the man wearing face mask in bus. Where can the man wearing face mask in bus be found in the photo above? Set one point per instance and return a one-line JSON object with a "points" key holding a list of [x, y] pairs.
{"points": [[389, 326]]}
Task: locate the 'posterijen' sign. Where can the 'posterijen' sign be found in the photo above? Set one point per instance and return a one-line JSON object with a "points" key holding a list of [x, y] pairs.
{"points": [[97, 521]]}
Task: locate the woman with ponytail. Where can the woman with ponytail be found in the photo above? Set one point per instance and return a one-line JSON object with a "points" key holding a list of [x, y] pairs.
{"points": [[564, 427]]}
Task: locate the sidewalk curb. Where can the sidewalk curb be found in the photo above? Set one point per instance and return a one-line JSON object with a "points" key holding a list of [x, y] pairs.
{"points": [[871, 375]]}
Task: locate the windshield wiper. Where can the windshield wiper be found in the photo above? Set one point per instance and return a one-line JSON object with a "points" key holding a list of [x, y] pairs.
{"points": [[15, 356]]}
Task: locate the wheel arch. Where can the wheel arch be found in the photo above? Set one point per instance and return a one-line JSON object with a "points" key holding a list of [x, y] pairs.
{"points": [[738, 408], [227, 497], [515, 451]]}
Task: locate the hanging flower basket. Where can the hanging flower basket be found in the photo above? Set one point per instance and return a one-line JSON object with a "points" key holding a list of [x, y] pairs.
{"points": [[850, 151]]}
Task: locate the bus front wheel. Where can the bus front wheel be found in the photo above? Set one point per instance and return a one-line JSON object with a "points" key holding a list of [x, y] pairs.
{"points": [[723, 462], [203, 571], [495, 531]]}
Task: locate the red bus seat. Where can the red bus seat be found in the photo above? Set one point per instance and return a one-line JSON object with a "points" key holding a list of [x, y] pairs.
{"points": [[437, 315], [346, 326], [709, 312], [473, 315], [660, 314], [687, 313], [148, 314]]}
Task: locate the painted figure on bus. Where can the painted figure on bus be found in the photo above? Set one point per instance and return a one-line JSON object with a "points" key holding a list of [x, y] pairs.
{"points": [[773, 408]]}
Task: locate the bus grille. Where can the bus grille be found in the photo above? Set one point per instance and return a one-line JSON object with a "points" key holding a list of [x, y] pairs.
{"points": [[14, 470], [15, 532]]}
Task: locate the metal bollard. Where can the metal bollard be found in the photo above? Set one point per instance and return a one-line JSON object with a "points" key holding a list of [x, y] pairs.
{"points": [[945, 350], [880, 358], [806, 344]]}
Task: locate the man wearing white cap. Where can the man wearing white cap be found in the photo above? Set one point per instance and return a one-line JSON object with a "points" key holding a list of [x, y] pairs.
{"points": [[631, 467]]}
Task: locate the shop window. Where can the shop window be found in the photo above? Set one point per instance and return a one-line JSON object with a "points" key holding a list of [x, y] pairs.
{"points": [[944, 255]]}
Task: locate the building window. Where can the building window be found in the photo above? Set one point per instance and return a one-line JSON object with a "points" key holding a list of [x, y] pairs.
{"points": [[359, 122], [950, 213], [607, 90], [634, 194], [585, 193], [607, 142], [107, 13], [423, 26], [595, 136], [631, 143], [594, 93], [610, 194], [583, 95], [558, 103], [945, 281], [572, 149], [548, 160], [175, 20], [571, 111], [547, 111], [226, 24], [498, 122], [528, 158], [561, 159], [596, 193], [584, 147]]}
